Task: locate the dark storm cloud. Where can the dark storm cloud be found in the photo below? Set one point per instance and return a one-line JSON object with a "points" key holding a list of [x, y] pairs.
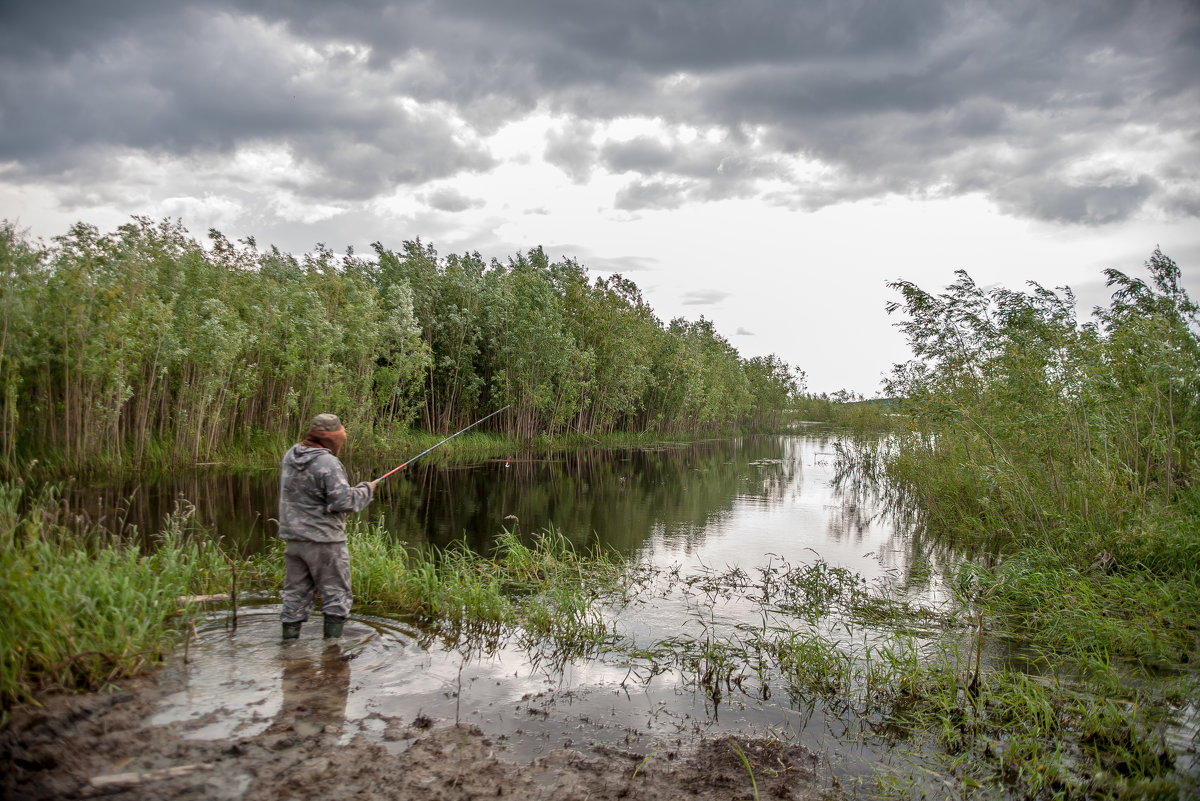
{"points": [[205, 83], [1012, 98]]}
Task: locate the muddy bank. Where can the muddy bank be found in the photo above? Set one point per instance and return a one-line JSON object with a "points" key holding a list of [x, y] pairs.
{"points": [[104, 746]]}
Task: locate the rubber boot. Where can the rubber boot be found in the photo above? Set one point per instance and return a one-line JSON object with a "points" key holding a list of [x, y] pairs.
{"points": [[291, 631], [333, 626]]}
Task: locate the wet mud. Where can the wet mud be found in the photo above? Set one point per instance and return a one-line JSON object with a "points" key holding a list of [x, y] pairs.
{"points": [[390, 712], [106, 745]]}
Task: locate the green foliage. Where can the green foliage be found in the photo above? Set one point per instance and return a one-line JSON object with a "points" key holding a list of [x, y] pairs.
{"points": [[544, 590], [77, 617], [142, 346], [1062, 456], [845, 409], [1066, 455], [1049, 425]]}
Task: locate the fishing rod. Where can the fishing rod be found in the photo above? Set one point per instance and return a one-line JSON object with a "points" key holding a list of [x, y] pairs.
{"points": [[440, 444]]}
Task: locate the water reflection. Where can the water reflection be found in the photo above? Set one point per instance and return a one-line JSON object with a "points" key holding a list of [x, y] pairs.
{"points": [[314, 689], [617, 498], [689, 514]]}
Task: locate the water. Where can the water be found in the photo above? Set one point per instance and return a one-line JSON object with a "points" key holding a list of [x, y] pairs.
{"points": [[707, 499], [688, 514], [681, 511]]}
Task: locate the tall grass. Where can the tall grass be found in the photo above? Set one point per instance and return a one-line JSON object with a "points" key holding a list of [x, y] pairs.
{"points": [[1062, 458], [78, 611], [544, 589], [77, 614]]}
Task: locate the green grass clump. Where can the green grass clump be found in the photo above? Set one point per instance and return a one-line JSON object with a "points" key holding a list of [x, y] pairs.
{"points": [[543, 590], [77, 611], [82, 610]]}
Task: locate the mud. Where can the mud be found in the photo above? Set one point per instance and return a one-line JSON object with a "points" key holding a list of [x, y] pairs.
{"points": [[104, 745]]}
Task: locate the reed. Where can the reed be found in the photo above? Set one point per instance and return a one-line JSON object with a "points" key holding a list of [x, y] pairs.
{"points": [[544, 590], [78, 614], [143, 348]]}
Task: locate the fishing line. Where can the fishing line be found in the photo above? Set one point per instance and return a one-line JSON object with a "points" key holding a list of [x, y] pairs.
{"points": [[440, 444]]}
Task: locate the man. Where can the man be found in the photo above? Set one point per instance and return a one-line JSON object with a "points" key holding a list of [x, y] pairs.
{"points": [[314, 500]]}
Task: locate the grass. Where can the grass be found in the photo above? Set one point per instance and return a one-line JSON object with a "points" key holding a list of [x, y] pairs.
{"points": [[543, 590], [77, 615], [1083, 719], [737, 749], [84, 610], [1107, 645]]}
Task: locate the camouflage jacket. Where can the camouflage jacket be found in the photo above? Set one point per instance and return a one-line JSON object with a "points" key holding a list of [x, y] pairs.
{"points": [[314, 496]]}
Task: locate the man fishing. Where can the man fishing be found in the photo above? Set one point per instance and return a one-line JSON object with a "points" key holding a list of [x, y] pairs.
{"points": [[314, 500]]}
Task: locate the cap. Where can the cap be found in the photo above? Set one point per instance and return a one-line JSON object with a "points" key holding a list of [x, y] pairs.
{"points": [[325, 422]]}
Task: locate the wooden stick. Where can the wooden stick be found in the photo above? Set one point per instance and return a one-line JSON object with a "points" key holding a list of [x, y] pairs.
{"points": [[199, 599], [121, 781]]}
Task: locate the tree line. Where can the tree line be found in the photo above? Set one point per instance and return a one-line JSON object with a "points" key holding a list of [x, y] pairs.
{"points": [[143, 344]]}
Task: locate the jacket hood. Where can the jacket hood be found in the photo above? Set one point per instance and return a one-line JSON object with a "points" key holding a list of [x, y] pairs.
{"points": [[301, 456]]}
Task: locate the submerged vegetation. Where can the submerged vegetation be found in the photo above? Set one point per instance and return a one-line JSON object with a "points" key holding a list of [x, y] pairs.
{"points": [[143, 347]]}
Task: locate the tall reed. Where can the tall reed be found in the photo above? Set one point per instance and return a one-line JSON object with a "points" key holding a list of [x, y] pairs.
{"points": [[77, 611]]}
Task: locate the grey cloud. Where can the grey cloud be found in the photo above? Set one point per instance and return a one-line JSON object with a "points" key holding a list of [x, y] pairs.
{"points": [[451, 200], [674, 172], [726, 162], [742, 332], [642, 154], [704, 297], [614, 264], [893, 97], [1184, 203], [572, 151], [650, 195], [1094, 203], [204, 87]]}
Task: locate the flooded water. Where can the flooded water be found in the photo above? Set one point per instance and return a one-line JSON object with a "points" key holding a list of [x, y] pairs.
{"points": [[683, 512], [760, 494], [690, 516]]}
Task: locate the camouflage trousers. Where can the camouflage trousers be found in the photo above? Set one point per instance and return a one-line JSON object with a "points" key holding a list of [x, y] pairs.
{"points": [[310, 567]]}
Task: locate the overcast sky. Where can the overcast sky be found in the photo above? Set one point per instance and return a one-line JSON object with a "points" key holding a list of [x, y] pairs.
{"points": [[769, 164]]}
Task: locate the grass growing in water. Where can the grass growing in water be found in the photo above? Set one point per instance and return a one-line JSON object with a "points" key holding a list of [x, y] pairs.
{"points": [[544, 591], [1065, 459], [77, 615]]}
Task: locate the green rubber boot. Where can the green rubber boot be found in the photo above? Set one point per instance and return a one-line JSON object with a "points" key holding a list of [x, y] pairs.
{"points": [[291, 631], [333, 626]]}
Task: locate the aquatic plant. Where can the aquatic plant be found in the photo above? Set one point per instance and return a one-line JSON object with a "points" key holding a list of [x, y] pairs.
{"points": [[78, 611], [544, 590], [1062, 459]]}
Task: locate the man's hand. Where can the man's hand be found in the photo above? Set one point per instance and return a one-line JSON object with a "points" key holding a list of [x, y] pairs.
{"points": [[372, 484]]}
